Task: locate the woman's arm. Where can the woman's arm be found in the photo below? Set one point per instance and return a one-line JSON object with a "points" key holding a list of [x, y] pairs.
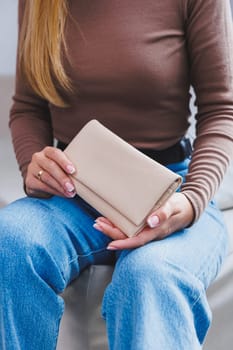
{"points": [[30, 121], [209, 39], [32, 136]]}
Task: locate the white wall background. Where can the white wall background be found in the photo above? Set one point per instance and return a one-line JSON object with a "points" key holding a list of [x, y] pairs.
{"points": [[8, 36]]}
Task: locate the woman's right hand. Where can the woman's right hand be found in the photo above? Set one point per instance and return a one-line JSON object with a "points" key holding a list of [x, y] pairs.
{"points": [[48, 174]]}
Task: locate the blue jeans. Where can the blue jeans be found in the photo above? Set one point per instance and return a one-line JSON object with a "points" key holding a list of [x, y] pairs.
{"points": [[156, 299]]}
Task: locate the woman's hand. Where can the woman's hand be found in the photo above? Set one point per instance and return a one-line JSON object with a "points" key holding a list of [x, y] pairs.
{"points": [[47, 174], [175, 214]]}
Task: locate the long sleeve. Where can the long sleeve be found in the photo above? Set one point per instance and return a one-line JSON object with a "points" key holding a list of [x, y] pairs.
{"points": [[210, 49], [131, 64], [30, 120]]}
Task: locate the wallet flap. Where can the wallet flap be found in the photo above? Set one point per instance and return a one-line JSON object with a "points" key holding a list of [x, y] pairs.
{"points": [[128, 180], [106, 209]]}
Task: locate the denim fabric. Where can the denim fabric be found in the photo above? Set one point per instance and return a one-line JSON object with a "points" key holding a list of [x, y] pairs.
{"points": [[156, 299]]}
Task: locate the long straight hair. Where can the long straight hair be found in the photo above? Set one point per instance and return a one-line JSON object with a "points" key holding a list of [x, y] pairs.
{"points": [[41, 44]]}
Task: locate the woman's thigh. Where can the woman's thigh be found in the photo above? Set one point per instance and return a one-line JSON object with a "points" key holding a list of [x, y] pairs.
{"points": [[58, 227], [197, 251], [159, 289]]}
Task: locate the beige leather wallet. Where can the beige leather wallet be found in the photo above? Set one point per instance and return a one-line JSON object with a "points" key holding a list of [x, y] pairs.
{"points": [[116, 179]]}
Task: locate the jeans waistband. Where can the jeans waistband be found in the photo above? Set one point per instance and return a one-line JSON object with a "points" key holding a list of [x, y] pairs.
{"points": [[174, 154]]}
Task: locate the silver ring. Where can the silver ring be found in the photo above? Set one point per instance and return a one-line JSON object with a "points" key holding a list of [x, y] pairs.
{"points": [[39, 175]]}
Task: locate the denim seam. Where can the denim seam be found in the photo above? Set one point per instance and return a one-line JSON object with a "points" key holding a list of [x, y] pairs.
{"points": [[197, 295], [198, 298], [62, 276], [88, 254], [78, 256]]}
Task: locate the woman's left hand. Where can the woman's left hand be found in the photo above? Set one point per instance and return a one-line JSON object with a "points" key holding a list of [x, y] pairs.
{"points": [[175, 214]]}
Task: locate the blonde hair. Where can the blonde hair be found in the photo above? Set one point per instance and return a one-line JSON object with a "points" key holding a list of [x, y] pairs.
{"points": [[41, 45]]}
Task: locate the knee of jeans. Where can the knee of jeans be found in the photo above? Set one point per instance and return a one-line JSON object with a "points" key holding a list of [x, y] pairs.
{"points": [[135, 279], [139, 273], [22, 254], [145, 284], [16, 244]]}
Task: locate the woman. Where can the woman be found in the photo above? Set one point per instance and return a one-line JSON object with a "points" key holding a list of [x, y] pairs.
{"points": [[129, 64]]}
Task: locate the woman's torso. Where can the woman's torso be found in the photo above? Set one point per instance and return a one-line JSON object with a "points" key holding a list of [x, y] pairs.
{"points": [[129, 67]]}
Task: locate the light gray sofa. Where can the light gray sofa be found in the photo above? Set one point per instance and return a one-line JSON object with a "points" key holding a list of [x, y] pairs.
{"points": [[82, 327]]}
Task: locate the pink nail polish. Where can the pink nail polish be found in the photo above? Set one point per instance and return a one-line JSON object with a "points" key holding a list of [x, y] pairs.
{"points": [[153, 221], [97, 227], [110, 247], [71, 194], [70, 169], [69, 187]]}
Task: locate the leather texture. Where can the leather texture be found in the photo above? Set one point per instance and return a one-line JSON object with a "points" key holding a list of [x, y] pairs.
{"points": [[118, 180]]}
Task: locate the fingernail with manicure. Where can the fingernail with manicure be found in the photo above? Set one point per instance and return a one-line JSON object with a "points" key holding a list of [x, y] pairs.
{"points": [[69, 187], [70, 169], [111, 247], [97, 227], [153, 221], [71, 194]]}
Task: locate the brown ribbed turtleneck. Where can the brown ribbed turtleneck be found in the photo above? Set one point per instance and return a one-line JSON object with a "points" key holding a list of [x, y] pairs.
{"points": [[132, 65]]}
